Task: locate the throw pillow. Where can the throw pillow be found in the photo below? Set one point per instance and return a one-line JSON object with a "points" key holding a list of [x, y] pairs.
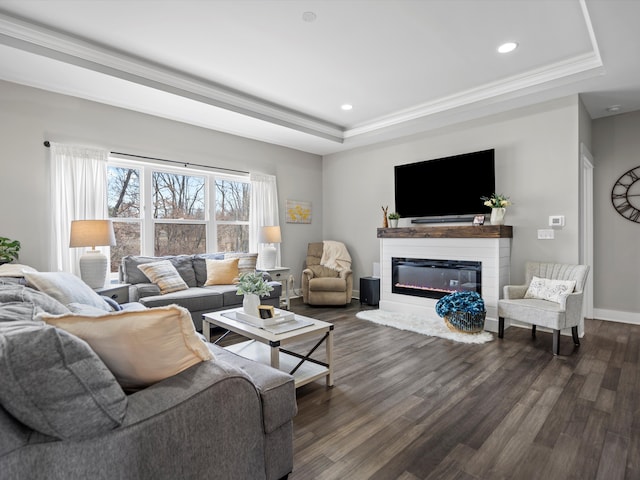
{"points": [[164, 275], [139, 347], [222, 272], [200, 265], [550, 290], [183, 263], [14, 270], [66, 288], [246, 261], [53, 382]]}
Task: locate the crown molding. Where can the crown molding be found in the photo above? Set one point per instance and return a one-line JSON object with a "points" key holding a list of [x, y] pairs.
{"points": [[587, 64], [38, 39], [41, 40]]}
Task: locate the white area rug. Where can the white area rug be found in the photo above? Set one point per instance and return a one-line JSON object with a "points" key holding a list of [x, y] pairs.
{"points": [[423, 325]]}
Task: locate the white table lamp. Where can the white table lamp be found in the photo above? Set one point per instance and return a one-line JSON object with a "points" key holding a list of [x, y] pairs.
{"points": [[269, 235], [93, 263]]}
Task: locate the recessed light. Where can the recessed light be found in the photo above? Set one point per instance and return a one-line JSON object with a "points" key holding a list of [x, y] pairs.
{"points": [[614, 108], [309, 16], [346, 107], [507, 47]]}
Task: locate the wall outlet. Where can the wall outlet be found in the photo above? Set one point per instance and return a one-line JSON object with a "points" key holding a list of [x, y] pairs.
{"points": [[546, 234]]}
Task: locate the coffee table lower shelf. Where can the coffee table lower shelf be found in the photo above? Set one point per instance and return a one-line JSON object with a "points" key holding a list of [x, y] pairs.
{"points": [[307, 372]]}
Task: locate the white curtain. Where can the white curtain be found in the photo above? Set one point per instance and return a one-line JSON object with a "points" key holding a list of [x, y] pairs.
{"points": [[78, 192], [264, 210]]}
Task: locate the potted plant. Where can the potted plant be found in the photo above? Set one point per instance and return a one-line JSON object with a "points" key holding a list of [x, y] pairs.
{"points": [[8, 250], [498, 204], [253, 286], [393, 219]]}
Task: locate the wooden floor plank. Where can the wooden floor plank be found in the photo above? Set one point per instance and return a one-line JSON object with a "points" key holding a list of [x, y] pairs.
{"points": [[407, 406], [613, 461]]}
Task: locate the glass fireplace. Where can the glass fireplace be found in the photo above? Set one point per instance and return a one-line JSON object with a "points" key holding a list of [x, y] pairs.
{"points": [[434, 278]]}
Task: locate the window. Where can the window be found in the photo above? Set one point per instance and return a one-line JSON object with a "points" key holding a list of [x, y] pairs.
{"points": [[123, 202], [158, 211], [232, 215], [178, 213]]}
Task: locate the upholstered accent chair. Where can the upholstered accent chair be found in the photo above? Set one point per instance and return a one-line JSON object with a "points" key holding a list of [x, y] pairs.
{"points": [[322, 285], [551, 298]]}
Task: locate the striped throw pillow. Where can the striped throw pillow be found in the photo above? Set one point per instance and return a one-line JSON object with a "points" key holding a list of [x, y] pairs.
{"points": [[164, 275]]}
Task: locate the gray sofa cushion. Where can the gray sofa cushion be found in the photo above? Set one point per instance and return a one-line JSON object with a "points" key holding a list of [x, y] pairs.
{"points": [[183, 263], [200, 265], [21, 293], [228, 294], [141, 290], [53, 382], [193, 299]]}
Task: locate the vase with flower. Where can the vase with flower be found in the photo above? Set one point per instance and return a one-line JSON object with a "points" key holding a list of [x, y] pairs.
{"points": [[498, 204]]}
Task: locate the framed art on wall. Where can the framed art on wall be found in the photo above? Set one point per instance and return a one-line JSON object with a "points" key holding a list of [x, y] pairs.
{"points": [[298, 211]]}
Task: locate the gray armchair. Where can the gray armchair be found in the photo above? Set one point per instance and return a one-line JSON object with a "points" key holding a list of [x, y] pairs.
{"points": [[326, 286], [565, 312]]}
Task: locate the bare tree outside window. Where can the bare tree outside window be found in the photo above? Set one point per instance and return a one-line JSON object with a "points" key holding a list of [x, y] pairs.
{"points": [[177, 211], [179, 197], [232, 207], [123, 202]]}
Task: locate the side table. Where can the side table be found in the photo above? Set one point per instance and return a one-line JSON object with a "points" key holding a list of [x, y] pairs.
{"points": [[280, 274], [117, 291]]}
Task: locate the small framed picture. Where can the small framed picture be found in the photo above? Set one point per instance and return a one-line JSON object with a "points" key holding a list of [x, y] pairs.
{"points": [[266, 311], [478, 220]]}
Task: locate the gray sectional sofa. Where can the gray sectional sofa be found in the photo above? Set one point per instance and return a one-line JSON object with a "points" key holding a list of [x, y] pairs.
{"points": [[226, 418], [198, 299]]}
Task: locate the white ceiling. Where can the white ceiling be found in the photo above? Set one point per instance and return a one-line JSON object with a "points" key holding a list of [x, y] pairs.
{"points": [[256, 68]]}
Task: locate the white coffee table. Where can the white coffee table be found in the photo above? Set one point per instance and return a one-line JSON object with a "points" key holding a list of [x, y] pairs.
{"points": [[266, 347]]}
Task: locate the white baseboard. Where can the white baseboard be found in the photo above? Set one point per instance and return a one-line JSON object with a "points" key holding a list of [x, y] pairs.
{"points": [[616, 316]]}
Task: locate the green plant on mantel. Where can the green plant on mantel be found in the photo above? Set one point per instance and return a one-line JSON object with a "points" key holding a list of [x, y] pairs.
{"points": [[8, 249], [394, 216]]}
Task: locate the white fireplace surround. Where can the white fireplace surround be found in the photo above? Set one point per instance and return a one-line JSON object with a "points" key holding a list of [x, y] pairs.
{"points": [[493, 253]]}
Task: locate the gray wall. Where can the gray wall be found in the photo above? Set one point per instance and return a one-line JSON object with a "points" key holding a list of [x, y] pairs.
{"points": [[537, 165], [537, 157], [29, 116], [616, 149]]}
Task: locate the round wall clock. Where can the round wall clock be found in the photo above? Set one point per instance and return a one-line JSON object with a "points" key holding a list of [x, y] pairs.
{"points": [[625, 195]]}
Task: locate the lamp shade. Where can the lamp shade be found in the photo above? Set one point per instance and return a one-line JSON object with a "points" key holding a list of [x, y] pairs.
{"points": [[270, 234], [91, 233]]}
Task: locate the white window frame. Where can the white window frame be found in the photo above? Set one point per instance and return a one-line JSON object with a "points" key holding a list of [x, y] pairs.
{"points": [[148, 222]]}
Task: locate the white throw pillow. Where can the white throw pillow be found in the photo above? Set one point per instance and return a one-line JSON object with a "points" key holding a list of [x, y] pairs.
{"points": [[139, 347], [66, 288], [15, 270], [550, 290], [164, 275]]}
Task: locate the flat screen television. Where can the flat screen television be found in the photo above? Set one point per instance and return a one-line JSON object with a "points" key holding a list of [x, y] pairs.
{"points": [[445, 189]]}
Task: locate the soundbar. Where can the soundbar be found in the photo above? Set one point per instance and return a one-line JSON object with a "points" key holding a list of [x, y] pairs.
{"points": [[444, 219]]}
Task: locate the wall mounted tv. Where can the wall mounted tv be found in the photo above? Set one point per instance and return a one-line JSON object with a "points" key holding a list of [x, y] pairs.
{"points": [[445, 189]]}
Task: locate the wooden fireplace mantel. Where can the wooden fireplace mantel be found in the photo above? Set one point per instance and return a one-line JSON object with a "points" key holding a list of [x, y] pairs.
{"points": [[457, 231]]}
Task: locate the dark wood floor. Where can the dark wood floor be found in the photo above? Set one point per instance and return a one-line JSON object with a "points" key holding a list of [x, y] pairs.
{"points": [[407, 406]]}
